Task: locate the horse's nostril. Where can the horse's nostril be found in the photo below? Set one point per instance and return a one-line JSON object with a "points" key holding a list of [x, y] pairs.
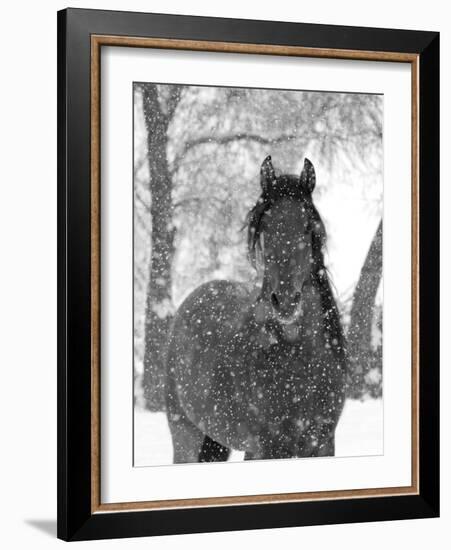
{"points": [[274, 300]]}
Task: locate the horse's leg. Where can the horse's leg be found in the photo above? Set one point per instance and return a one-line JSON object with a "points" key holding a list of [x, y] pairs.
{"points": [[329, 447], [326, 443], [326, 447], [189, 443], [212, 451], [186, 439]]}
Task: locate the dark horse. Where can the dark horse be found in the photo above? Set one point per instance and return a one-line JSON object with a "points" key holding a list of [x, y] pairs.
{"points": [[262, 371]]}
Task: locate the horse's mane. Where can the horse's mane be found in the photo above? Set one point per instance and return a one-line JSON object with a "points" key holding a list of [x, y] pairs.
{"points": [[287, 186]]}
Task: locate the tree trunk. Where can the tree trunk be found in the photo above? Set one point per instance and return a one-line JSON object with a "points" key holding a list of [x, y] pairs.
{"points": [[159, 306], [360, 351]]}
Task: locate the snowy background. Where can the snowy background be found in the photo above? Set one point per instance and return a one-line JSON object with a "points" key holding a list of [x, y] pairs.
{"points": [[197, 155]]}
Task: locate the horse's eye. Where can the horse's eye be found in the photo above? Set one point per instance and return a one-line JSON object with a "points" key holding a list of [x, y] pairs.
{"points": [[298, 281]]}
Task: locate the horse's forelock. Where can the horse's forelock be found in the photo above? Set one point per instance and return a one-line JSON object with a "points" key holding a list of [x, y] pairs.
{"points": [[286, 187]]}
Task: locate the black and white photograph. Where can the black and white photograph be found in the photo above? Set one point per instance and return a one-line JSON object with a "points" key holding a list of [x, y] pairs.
{"points": [[226, 298], [258, 274]]}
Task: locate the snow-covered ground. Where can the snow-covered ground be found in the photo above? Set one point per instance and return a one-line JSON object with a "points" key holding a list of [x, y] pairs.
{"points": [[359, 433]]}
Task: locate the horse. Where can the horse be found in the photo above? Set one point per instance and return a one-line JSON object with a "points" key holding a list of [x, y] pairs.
{"points": [[262, 370]]}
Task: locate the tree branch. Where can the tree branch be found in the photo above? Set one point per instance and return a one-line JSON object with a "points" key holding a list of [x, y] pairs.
{"points": [[224, 140]]}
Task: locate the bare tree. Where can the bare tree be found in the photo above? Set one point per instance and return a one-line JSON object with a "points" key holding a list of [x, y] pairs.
{"points": [[159, 107], [360, 350]]}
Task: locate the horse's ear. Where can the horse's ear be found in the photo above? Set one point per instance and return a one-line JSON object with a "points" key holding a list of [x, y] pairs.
{"points": [[308, 177], [267, 174]]}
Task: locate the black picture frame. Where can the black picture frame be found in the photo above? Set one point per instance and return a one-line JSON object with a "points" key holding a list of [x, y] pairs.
{"points": [[76, 519]]}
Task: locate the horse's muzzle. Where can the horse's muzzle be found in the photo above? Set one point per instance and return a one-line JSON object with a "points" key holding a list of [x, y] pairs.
{"points": [[286, 307]]}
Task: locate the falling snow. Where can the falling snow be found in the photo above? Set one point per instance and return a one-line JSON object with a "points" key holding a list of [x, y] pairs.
{"points": [[251, 272], [359, 433]]}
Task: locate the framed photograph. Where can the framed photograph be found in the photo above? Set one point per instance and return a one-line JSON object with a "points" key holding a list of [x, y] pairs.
{"points": [[248, 274]]}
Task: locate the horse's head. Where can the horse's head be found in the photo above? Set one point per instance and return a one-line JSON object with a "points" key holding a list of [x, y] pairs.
{"points": [[287, 232]]}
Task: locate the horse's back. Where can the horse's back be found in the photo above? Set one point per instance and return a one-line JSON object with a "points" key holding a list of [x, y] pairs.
{"points": [[213, 311], [201, 353]]}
